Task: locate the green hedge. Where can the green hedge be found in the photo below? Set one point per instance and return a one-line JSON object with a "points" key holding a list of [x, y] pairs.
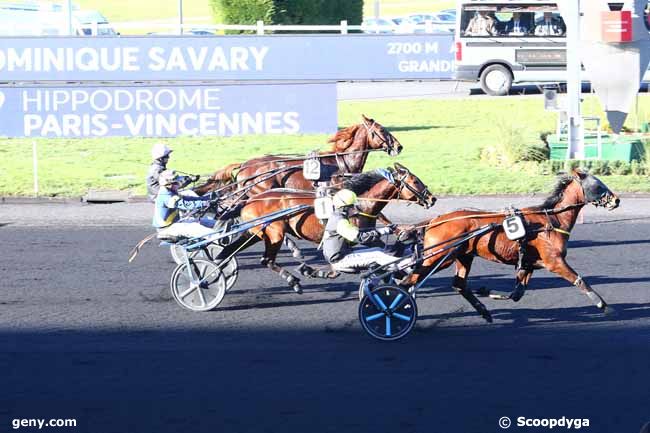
{"points": [[307, 12]]}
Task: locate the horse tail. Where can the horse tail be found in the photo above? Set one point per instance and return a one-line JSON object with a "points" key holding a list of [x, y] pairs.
{"points": [[226, 174]]}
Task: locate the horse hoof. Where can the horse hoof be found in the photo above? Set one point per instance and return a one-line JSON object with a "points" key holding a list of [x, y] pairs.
{"points": [[610, 311], [482, 291], [487, 317], [516, 297], [297, 288], [499, 297]]}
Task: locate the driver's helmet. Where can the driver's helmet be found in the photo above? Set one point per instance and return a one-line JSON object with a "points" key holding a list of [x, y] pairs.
{"points": [[168, 178], [160, 150], [344, 198]]}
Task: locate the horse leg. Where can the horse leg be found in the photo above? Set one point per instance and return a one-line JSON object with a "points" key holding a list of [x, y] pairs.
{"points": [[293, 247], [463, 266], [522, 277], [273, 243], [560, 267]]}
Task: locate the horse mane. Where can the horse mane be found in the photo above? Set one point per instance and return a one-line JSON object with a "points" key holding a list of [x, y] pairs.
{"points": [[557, 194], [343, 138], [363, 182]]}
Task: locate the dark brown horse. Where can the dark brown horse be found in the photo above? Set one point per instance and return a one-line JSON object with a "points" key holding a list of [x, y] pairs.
{"points": [[348, 155], [375, 190], [547, 226]]}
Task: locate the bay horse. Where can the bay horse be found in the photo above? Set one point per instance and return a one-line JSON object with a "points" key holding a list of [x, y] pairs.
{"points": [[350, 148], [375, 190], [548, 227]]}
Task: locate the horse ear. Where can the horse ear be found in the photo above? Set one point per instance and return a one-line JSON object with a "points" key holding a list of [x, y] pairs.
{"points": [[400, 167], [365, 119], [579, 172]]}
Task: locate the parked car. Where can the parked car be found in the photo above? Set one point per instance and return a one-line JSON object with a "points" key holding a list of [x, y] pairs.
{"points": [[451, 12], [404, 25], [440, 23], [378, 26], [87, 22]]}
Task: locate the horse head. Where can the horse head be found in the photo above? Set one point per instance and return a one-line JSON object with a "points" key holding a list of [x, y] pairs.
{"points": [[595, 191], [378, 137], [411, 187]]}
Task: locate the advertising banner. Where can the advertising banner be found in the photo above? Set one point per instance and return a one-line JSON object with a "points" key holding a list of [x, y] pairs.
{"points": [[224, 58], [167, 111]]}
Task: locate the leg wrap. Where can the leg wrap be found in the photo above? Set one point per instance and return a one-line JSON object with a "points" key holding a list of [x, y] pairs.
{"points": [[459, 283], [287, 276], [595, 297]]}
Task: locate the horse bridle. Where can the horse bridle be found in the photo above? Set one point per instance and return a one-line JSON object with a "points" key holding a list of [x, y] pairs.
{"points": [[373, 133], [601, 200], [420, 195]]}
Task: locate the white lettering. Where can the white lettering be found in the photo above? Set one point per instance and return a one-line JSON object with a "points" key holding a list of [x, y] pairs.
{"points": [[291, 121], [218, 60], [259, 56], [157, 61]]}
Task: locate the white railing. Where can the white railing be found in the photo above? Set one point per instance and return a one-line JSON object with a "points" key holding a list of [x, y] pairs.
{"points": [[171, 28]]}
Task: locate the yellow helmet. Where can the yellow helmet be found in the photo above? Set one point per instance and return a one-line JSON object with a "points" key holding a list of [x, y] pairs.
{"points": [[344, 198]]}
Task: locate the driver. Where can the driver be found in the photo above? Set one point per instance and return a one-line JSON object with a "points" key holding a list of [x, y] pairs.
{"points": [[340, 234], [160, 154], [166, 218]]}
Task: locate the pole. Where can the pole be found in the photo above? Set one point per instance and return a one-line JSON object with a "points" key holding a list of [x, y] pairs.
{"points": [[35, 166], [575, 148], [180, 17], [69, 28], [376, 8]]}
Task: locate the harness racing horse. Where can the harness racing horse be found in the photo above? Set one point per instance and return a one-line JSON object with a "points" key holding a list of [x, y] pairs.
{"points": [[348, 155], [548, 227], [375, 190]]}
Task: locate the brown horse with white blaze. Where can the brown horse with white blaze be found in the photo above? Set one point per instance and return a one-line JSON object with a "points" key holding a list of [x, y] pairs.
{"points": [[548, 227], [375, 190], [349, 153]]}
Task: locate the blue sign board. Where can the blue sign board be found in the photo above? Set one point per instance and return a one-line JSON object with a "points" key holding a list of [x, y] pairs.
{"points": [[166, 111], [219, 58]]}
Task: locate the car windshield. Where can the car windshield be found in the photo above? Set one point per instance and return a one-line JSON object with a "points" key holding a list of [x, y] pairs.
{"points": [[540, 20], [446, 17]]}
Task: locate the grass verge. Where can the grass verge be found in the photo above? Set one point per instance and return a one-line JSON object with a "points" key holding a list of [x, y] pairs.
{"points": [[442, 140]]}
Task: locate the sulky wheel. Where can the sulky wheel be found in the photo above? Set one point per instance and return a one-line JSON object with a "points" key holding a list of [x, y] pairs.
{"points": [[203, 290], [230, 271], [178, 252], [389, 313]]}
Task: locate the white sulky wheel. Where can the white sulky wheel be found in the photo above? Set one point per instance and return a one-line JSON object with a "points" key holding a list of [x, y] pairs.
{"points": [[230, 271], [178, 253], [205, 292], [390, 314]]}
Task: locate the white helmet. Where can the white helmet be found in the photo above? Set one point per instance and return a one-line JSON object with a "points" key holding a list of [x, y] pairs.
{"points": [[160, 150], [344, 198]]}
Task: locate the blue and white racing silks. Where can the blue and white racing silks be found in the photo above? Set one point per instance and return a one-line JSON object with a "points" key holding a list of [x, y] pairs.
{"points": [[168, 203]]}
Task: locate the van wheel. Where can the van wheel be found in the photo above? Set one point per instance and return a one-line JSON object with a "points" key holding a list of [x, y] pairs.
{"points": [[496, 80]]}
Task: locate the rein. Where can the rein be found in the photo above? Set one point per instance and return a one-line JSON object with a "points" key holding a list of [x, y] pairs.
{"points": [[503, 214]]}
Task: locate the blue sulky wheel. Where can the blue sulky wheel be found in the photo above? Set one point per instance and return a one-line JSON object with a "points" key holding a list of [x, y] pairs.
{"points": [[389, 313]]}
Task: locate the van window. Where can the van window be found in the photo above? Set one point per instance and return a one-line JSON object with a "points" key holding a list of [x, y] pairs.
{"points": [[539, 20]]}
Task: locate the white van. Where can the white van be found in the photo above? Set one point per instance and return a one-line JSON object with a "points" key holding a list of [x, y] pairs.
{"points": [[499, 43], [498, 50]]}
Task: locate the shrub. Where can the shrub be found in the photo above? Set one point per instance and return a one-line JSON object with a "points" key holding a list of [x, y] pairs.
{"points": [[308, 12], [515, 145]]}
